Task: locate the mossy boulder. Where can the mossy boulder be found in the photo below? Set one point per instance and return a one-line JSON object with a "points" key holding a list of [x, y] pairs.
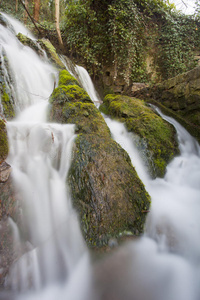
{"points": [[7, 104], [26, 41], [69, 93], [105, 188], [65, 78], [3, 142], [51, 53], [8, 209], [68, 90], [157, 138]]}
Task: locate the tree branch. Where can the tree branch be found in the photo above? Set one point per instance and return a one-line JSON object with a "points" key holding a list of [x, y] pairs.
{"points": [[33, 21]]}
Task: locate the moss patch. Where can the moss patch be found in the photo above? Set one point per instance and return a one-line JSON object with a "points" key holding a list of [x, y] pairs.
{"points": [[51, 53], [158, 136], [68, 90], [69, 93], [26, 41], [3, 142], [8, 108], [65, 78]]}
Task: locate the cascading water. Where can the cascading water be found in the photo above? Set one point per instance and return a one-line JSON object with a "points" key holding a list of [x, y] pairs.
{"points": [[87, 84], [54, 262], [49, 243], [32, 78]]}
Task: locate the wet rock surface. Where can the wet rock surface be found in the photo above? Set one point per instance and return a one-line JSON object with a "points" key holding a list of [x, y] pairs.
{"points": [[106, 190], [153, 136]]}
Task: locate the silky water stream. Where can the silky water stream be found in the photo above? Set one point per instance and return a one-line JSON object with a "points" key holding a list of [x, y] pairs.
{"points": [[54, 262]]}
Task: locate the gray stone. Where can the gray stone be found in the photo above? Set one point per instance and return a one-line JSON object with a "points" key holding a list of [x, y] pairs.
{"points": [[5, 170]]}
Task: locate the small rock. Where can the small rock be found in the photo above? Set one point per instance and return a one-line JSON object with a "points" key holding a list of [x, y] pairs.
{"points": [[5, 170]]}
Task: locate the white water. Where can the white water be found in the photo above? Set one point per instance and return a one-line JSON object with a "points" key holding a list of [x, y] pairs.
{"points": [[32, 78], [168, 255], [52, 253], [87, 84], [162, 265]]}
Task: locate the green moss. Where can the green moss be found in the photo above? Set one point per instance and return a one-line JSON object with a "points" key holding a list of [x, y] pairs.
{"points": [[51, 53], [86, 117], [69, 93], [155, 134], [26, 41], [65, 78], [7, 105], [3, 141]]}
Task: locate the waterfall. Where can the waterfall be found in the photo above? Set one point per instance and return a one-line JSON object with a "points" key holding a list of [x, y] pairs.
{"points": [[49, 241], [54, 262], [87, 84], [30, 79]]}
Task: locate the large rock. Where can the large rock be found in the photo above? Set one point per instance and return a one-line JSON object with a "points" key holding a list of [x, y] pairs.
{"points": [[8, 210], [106, 191], [155, 137]]}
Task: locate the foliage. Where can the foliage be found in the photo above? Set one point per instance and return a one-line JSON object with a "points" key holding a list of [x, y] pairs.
{"points": [[122, 32], [176, 45]]}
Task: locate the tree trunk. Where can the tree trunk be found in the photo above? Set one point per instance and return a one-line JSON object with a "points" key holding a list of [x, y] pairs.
{"points": [[26, 14], [16, 6], [57, 14], [36, 10]]}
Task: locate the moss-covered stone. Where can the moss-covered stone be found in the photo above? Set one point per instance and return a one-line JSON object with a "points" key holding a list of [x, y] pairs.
{"points": [[85, 116], [156, 135], [68, 90], [65, 78], [26, 41], [5, 23], [69, 93], [3, 142], [106, 190], [51, 53], [8, 109], [8, 209]]}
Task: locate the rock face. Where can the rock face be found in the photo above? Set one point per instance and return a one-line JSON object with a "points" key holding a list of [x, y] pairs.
{"points": [[155, 137], [8, 210], [7, 206], [180, 97], [106, 191]]}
